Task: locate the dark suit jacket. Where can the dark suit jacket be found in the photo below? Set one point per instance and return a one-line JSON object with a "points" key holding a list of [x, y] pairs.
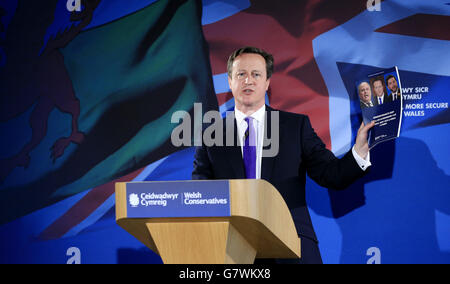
{"points": [[386, 99], [397, 93], [365, 105], [301, 151]]}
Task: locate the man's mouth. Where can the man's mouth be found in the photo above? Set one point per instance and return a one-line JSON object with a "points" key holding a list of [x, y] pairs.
{"points": [[248, 91]]}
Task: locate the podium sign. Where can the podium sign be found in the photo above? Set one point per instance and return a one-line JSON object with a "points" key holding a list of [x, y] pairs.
{"points": [[192, 199], [209, 221]]}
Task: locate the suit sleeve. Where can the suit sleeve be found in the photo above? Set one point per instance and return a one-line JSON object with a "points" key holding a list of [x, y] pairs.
{"points": [[322, 165], [202, 164]]}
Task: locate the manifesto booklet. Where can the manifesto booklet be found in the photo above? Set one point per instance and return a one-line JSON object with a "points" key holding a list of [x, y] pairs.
{"points": [[380, 97]]}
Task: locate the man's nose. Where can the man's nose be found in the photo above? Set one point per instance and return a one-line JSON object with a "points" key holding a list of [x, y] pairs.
{"points": [[249, 80]]}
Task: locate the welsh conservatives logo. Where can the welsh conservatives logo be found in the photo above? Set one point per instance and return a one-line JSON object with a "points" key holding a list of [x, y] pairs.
{"points": [[178, 199], [134, 200]]}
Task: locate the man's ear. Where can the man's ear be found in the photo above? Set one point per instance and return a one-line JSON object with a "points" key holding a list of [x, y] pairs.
{"points": [[229, 81], [267, 84]]}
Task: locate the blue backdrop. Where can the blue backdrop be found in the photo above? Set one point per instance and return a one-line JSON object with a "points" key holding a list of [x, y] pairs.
{"points": [[87, 97]]}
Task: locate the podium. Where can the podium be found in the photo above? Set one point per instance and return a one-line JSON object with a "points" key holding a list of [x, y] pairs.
{"points": [[208, 222]]}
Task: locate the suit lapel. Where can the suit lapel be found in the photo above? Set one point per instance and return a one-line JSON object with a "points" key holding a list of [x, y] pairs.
{"points": [[234, 153], [267, 163]]}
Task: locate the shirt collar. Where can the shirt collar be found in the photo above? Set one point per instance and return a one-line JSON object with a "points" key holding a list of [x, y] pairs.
{"points": [[257, 115]]}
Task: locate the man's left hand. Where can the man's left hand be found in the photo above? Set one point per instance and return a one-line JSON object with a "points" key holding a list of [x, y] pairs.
{"points": [[361, 144]]}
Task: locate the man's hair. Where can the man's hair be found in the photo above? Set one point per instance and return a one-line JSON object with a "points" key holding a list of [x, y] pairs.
{"points": [[378, 79], [250, 49], [363, 82], [390, 77]]}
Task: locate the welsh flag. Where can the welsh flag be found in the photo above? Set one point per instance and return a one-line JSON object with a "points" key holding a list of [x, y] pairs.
{"points": [[103, 101]]}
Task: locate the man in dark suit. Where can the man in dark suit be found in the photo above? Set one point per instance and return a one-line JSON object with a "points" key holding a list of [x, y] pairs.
{"points": [[365, 95], [393, 87], [380, 92], [299, 149]]}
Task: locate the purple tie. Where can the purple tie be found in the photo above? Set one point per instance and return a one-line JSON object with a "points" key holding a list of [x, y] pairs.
{"points": [[250, 149]]}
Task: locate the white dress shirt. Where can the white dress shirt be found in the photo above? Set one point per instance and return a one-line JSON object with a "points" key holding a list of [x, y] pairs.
{"points": [[258, 122], [380, 99], [258, 118], [396, 95]]}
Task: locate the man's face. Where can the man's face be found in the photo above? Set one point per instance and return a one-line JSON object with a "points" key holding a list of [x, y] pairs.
{"points": [[249, 81], [378, 88], [365, 94], [392, 84]]}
